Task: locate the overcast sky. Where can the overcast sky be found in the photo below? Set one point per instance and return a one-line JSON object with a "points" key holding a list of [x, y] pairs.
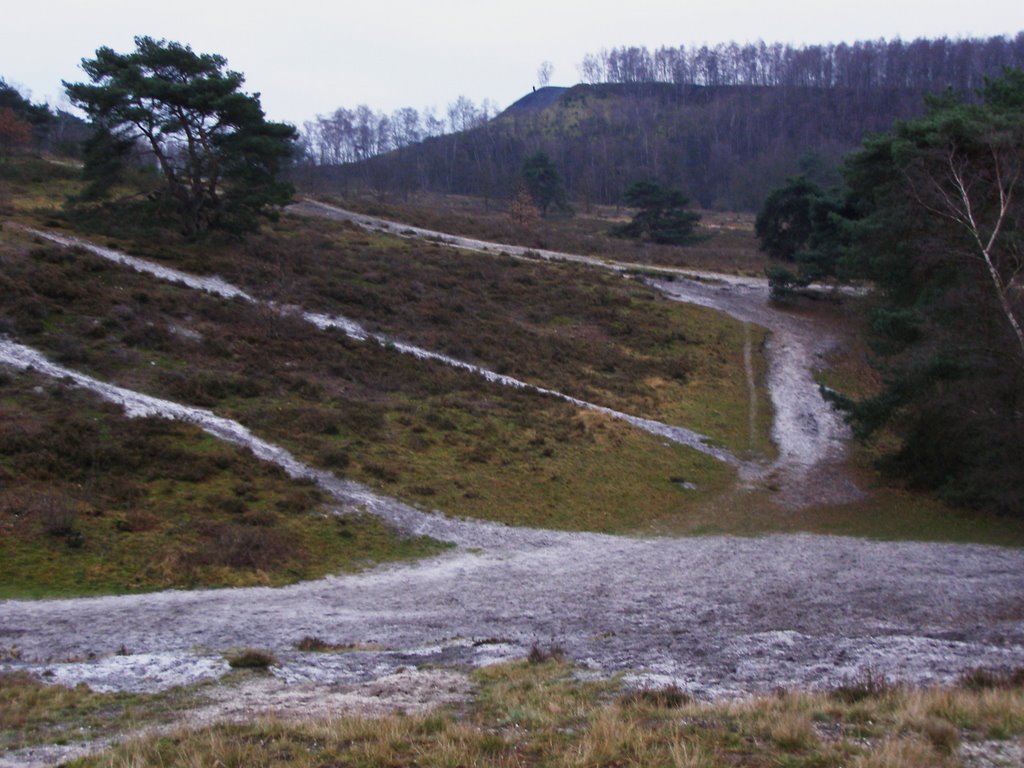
{"points": [[308, 57]]}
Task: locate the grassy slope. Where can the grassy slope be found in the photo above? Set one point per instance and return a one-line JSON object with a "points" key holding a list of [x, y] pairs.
{"points": [[93, 502], [404, 425], [440, 437], [725, 241], [540, 714], [562, 326], [434, 436]]}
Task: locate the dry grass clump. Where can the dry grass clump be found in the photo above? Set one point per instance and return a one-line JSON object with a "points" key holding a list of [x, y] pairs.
{"points": [[541, 714], [252, 658], [313, 644], [666, 697], [32, 712]]}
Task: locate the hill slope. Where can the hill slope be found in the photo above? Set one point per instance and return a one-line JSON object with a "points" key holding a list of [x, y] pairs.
{"points": [[727, 146]]}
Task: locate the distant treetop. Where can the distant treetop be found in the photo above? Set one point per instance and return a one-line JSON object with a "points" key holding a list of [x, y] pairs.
{"points": [[961, 63]]}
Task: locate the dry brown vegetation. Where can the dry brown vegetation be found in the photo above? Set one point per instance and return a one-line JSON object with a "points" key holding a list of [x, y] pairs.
{"points": [[539, 714], [724, 242]]}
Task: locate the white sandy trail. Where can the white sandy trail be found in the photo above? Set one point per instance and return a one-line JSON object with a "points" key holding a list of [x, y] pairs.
{"points": [[355, 330], [810, 436], [716, 615], [310, 207]]}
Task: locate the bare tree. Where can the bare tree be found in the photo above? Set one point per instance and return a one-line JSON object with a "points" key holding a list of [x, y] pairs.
{"points": [[544, 72], [976, 191]]}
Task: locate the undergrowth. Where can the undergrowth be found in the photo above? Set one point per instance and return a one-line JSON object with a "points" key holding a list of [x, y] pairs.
{"points": [[437, 436], [94, 502]]}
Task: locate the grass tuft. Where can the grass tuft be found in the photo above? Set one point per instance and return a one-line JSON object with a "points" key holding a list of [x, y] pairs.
{"points": [[542, 715], [252, 658], [981, 679], [667, 697], [539, 655], [870, 685]]}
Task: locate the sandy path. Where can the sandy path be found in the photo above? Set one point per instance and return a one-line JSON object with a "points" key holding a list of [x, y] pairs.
{"points": [[354, 330], [810, 436], [718, 615], [310, 207]]}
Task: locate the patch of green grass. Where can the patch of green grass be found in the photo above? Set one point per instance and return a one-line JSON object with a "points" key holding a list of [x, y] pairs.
{"points": [[886, 513], [96, 503], [594, 474]]}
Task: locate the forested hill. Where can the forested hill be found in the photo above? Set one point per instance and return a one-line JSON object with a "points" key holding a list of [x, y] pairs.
{"points": [[726, 146], [726, 124]]}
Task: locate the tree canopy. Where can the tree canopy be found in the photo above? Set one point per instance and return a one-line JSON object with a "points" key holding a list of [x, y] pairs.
{"points": [[217, 154], [784, 224], [661, 216], [933, 215], [799, 223], [544, 183]]}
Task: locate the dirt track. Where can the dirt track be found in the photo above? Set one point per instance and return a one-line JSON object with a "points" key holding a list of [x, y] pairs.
{"points": [[810, 436], [718, 615]]}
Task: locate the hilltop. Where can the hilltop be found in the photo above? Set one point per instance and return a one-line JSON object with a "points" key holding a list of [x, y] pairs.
{"points": [[536, 101], [726, 146]]}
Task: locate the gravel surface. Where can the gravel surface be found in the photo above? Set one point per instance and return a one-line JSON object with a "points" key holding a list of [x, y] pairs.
{"points": [[717, 615]]}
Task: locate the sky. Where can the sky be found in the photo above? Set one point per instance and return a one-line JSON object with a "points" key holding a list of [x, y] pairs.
{"points": [[310, 57]]}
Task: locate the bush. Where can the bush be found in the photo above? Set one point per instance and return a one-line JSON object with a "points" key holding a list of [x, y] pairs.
{"points": [[55, 513], [251, 658]]}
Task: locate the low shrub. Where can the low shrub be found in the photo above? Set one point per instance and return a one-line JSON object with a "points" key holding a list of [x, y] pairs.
{"points": [[55, 514], [252, 658]]}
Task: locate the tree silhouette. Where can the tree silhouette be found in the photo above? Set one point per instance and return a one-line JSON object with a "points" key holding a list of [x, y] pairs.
{"points": [[661, 216], [218, 155]]}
